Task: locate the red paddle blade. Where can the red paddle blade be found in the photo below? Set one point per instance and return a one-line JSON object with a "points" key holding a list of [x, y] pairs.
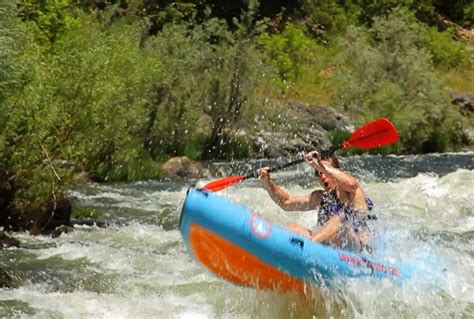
{"points": [[372, 135], [222, 183]]}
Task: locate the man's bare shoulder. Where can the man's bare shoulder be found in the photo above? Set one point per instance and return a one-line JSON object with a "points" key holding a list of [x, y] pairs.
{"points": [[315, 198]]}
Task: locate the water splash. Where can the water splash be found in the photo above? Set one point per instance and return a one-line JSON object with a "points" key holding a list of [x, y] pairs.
{"points": [[141, 269]]}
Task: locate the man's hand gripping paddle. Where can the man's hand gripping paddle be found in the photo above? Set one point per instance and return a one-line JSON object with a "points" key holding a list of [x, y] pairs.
{"points": [[371, 135]]}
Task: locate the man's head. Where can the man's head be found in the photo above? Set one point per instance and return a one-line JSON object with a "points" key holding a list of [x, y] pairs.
{"points": [[329, 160], [328, 155]]}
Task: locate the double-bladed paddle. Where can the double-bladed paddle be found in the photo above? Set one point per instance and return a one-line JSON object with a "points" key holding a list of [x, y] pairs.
{"points": [[371, 135]]}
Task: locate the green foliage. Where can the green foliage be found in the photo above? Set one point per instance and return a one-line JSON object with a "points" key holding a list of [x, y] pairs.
{"points": [[10, 33], [447, 53], [86, 212], [425, 10], [128, 164], [289, 51], [339, 136], [194, 146], [469, 15], [236, 73], [50, 18], [324, 16], [459, 11], [232, 147], [83, 104], [385, 71], [102, 83], [371, 9], [165, 12], [428, 11], [178, 91], [11, 37], [209, 70]]}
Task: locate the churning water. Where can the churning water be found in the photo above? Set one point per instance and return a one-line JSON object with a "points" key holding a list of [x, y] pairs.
{"points": [[138, 266]]}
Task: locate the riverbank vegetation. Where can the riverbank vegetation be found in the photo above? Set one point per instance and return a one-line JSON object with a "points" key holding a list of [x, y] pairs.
{"points": [[113, 88]]}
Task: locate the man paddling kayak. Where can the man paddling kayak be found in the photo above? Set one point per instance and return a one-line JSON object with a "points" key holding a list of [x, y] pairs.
{"points": [[343, 207]]}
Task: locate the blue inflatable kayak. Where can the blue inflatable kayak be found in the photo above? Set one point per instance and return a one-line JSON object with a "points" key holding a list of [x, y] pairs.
{"points": [[238, 245]]}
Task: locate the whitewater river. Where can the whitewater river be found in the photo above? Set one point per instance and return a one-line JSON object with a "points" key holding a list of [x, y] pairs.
{"points": [[139, 268]]}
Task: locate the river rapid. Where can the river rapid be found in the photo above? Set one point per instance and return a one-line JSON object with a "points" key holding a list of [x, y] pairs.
{"points": [[138, 267]]}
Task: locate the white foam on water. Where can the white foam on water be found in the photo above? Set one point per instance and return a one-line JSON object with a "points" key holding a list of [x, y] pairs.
{"points": [[92, 305], [150, 274]]}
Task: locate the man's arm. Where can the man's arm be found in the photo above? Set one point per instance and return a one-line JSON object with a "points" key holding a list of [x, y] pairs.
{"points": [[343, 181], [286, 201]]}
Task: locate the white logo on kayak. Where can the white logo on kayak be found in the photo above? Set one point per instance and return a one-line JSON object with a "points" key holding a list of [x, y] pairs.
{"points": [[260, 227]]}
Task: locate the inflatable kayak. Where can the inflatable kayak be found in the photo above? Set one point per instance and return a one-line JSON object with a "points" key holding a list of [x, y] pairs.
{"points": [[238, 245]]}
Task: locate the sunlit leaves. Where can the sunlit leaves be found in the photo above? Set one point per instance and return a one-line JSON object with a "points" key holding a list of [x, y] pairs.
{"points": [[289, 51], [386, 71], [209, 72], [83, 106]]}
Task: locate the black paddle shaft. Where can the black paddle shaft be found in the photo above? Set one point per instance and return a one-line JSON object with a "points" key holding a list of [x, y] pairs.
{"points": [[324, 155]]}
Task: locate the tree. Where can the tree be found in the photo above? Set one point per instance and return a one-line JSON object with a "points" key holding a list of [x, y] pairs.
{"points": [[10, 36], [79, 107], [211, 72], [386, 71]]}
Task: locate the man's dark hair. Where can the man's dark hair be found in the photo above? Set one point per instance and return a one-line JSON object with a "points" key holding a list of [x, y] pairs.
{"points": [[329, 154], [335, 161]]}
